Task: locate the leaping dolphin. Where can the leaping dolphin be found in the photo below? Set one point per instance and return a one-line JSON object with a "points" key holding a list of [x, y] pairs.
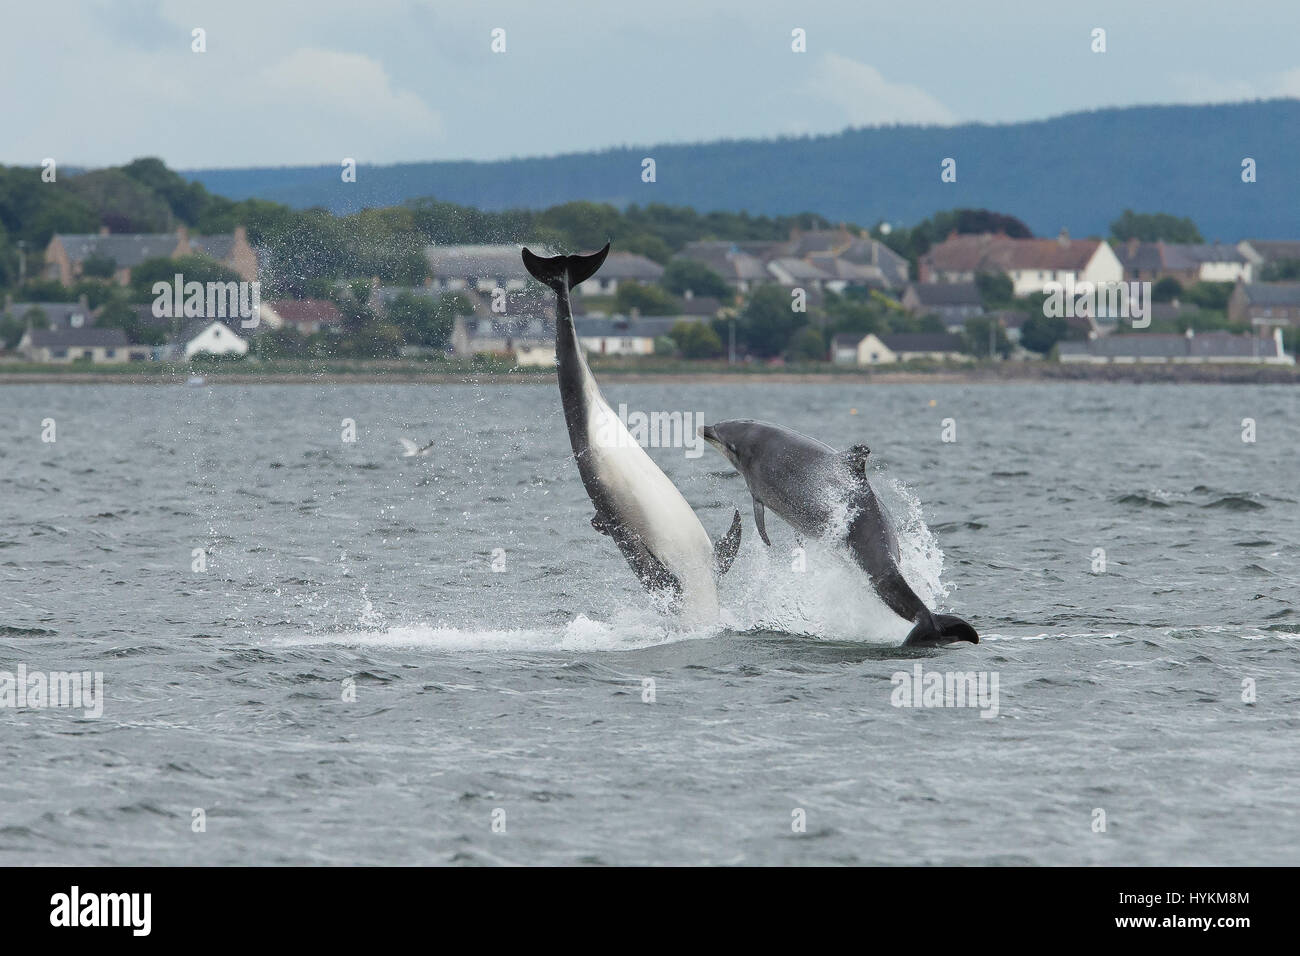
{"points": [[809, 484], [636, 504]]}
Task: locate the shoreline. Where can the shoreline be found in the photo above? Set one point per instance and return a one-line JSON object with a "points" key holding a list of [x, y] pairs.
{"points": [[1001, 374]]}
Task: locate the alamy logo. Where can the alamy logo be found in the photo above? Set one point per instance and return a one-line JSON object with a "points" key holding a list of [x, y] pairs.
{"points": [[179, 299], [976, 689], [41, 689], [75, 908], [1099, 300], [653, 430]]}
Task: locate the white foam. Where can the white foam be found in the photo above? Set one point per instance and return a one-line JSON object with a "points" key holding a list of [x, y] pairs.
{"points": [[625, 632]]}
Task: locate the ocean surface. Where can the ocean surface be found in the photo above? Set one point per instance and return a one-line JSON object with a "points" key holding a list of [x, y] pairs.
{"points": [[318, 651]]}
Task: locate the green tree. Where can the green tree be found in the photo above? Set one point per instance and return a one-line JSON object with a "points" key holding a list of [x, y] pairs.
{"points": [[426, 321], [1040, 333], [996, 289], [1166, 289], [191, 269], [767, 322], [1283, 270], [1153, 226], [979, 329], [1210, 295], [696, 340], [689, 275], [646, 299], [807, 345], [98, 267]]}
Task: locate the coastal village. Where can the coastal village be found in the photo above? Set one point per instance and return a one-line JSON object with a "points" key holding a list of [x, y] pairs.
{"points": [[501, 313]]}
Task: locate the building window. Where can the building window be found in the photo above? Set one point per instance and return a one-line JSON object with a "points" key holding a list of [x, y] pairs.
{"points": [[110, 353]]}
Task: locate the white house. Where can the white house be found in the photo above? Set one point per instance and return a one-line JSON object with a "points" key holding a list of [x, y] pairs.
{"points": [[871, 349], [1030, 263], [209, 336]]}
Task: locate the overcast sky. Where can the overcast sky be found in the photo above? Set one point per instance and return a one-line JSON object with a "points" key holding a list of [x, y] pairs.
{"points": [[98, 82]]}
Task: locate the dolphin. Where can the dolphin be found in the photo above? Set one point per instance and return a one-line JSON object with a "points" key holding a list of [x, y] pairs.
{"points": [[810, 485], [637, 505]]}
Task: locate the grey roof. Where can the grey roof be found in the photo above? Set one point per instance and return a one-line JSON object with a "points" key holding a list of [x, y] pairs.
{"points": [[218, 247], [727, 259], [57, 314], [799, 269], [1160, 345], [846, 340], [923, 342], [630, 265], [1274, 250], [701, 305], [1272, 293], [621, 326], [947, 293], [78, 338], [1183, 256], [479, 262], [127, 250], [873, 252]]}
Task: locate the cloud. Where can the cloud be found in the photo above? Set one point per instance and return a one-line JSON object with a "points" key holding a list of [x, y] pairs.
{"points": [[868, 99]]}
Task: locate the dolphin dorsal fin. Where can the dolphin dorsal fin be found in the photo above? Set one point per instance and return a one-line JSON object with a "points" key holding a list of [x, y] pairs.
{"points": [[856, 458]]}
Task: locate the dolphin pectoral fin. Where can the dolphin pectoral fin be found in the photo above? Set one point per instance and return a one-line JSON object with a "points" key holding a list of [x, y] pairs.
{"points": [[650, 571], [758, 522], [724, 552]]}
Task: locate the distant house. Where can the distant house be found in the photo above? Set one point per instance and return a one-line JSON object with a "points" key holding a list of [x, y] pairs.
{"points": [[1186, 262], [529, 340], [307, 316], [1265, 304], [953, 302], [52, 315], [791, 273], [1267, 252], [70, 345], [1189, 348], [479, 268], [697, 306], [209, 337], [618, 268], [867, 350], [622, 335], [849, 258], [1030, 263], [742, 270], [66, 254], [231, 250]]}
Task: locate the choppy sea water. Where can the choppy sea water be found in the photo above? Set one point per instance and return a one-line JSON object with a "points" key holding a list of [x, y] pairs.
{"points": [[333, 570]]}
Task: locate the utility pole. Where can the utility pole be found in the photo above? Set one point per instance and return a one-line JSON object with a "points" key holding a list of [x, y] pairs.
{"points": [[22, 262], [731, 353]]}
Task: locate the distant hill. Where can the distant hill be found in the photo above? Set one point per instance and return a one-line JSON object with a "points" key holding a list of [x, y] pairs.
{"points": [[1078, 171]]}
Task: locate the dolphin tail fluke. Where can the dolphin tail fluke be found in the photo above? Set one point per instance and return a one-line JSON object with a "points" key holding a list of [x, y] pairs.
{"points": [[724, 552], [571, 270], [934, 630]]}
